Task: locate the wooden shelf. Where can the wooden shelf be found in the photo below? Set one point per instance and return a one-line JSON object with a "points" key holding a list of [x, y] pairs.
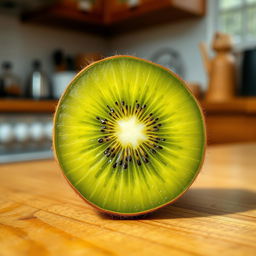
{"points": [[112, 20], [232, 121], [27, 106], [242, 105], [61, 16], [154, 13]]}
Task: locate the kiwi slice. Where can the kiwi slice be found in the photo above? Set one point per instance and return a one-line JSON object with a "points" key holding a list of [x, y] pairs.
{"points": [[128, 135]]}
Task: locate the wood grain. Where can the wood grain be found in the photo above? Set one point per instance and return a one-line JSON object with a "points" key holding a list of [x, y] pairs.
{"points": [[41, 215]]}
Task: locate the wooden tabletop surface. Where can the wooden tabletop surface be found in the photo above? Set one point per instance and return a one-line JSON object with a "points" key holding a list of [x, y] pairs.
{"points": [[41, 215]]}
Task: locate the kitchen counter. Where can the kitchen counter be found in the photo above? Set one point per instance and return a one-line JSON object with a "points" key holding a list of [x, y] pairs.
{"points": [[41, 215]]}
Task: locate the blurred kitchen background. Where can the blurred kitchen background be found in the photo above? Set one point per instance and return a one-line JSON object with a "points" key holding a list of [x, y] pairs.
{"points": [[43, 43]]}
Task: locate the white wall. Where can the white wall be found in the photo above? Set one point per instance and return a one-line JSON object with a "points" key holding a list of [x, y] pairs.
{"points": [[21, 43], [181, 36]]}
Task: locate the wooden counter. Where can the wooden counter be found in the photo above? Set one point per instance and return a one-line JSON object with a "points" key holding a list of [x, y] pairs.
{"points": [[41, 215]]}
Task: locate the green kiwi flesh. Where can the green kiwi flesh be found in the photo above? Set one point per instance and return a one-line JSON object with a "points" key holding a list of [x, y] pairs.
{"points": [[128, 135]]}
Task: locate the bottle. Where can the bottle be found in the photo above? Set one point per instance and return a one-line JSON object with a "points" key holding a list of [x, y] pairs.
{"points": [[9, 82], [2, 92], [38, 85]]}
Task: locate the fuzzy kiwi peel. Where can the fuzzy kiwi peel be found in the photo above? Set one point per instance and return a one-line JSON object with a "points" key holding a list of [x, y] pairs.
{"points": [[128, 135]]}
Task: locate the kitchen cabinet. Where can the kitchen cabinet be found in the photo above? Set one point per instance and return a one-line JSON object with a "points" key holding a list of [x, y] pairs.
{"points": [[231, 121], [157, 11], [109, 17]]}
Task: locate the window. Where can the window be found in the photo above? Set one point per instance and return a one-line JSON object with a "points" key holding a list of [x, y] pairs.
{"points": [[238, 18]]}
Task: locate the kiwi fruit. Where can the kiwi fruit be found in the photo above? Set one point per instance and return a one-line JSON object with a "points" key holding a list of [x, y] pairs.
{"points": [[128, 135]]}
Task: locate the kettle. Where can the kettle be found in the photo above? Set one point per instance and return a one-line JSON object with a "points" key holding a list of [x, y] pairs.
{"points": [[38, 85]]}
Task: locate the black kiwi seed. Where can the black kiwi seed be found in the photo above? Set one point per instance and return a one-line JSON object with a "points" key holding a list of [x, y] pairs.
{"points": [[138, 162], [100, 140], [153, 151], [129, 158], [161, 139], [114, 165], [125, 165], [145, 159]]}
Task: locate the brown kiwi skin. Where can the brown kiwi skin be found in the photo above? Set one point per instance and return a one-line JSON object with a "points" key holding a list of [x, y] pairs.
{"points": [[118, 214]]}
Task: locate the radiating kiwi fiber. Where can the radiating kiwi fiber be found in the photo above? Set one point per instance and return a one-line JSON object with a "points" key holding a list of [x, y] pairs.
{"points": [[128, 135]]}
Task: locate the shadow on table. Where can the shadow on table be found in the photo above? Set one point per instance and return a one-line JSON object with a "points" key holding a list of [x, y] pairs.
{"points": [[203, 202]]}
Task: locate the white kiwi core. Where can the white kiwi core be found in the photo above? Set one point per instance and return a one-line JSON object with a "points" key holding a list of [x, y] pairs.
{"points": [[131, 132]]}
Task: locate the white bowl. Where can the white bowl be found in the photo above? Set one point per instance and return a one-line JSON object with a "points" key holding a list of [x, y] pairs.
{"points": [[60, 81]]}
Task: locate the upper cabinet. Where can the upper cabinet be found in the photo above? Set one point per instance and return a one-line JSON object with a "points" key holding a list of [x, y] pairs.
{"points": [[114, 16]]}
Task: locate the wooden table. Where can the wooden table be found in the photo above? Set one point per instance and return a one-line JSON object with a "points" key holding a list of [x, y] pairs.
{"points": [[41, 215]]}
